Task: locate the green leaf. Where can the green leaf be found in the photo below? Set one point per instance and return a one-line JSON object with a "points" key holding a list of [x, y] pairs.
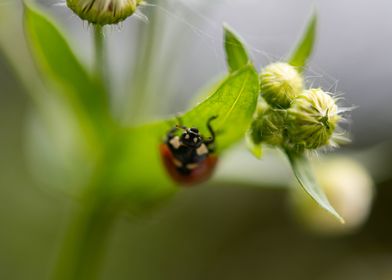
{"points": [[304, 174], [73, 121], [59, 65], [305, 46], [137, 167], [254, 149], [234, 103], [209, 88], [236, 54]]}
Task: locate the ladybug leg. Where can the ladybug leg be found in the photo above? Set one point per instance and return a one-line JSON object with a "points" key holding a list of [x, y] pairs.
{"points": [[171, 132], [211, 130]]}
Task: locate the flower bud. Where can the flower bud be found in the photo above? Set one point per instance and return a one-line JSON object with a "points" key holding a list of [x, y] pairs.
{"points": [[103, 12], [268, 126], [312, 119], [350, 190], [280, 83]]}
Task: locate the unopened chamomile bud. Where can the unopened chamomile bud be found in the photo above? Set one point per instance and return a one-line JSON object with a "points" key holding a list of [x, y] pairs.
{"points": [[268, 126], [312, 119], [102, 12], [280, 83]]}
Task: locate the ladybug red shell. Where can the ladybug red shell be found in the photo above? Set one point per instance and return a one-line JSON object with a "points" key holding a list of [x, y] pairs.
{"points": [[189, 158], [201, 173]]}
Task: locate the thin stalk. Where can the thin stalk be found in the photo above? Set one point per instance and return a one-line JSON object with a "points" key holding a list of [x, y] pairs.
{"points": [[136, 105], [84, 245], [100, 56], [85, 242]]}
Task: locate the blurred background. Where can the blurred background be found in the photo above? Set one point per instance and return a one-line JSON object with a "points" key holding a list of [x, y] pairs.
{"points": [[226, 229]]}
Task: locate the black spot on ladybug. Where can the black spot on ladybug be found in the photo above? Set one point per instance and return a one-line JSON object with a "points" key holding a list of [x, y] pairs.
{"points": [[189, 158]]}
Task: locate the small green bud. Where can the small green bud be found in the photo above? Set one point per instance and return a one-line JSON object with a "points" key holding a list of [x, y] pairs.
{"points": [[280, 83], [269, 125], [312, 119], [103, 12]]}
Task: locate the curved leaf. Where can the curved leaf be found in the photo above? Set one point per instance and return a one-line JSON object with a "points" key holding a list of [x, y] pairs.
{"points": [[234, 103], [304, 175], [68, 136], [58, 64], [305, 46]]}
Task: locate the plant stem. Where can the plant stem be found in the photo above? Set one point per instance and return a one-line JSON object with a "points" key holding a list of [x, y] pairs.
{"points": [[85, 242], [100, 58], [137, 104]]}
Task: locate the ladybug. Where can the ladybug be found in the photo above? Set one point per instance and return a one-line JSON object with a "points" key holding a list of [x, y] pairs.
{"points": [[189, 158]]}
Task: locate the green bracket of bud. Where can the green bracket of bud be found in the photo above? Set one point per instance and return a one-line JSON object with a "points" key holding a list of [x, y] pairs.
{"points": [[280, 84], [304, 174]]}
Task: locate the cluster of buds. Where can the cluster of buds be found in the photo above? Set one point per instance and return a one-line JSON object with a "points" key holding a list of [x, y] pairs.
{"points": [[290, 116], [102, 12]]}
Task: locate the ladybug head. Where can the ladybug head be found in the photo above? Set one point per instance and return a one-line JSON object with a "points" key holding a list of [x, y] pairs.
{"points": [[191, 137]]}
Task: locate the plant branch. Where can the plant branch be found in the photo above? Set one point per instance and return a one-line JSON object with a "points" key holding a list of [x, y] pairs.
{"points": [[137, 105], [100, 57], [85, 242]]}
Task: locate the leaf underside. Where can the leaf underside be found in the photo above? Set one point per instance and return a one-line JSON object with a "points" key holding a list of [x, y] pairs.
{"points": [[61, 68], [303, 172], [138, 168]]}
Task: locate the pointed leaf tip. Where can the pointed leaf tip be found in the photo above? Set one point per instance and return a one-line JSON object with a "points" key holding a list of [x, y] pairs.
{"points": [[236, 54], [304, 47], [303, 172]]}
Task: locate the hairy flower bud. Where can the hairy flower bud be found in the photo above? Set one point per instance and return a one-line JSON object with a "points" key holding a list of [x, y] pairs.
{"points": [[103, 12], [268, 126], [312, 119], [280, 83]]}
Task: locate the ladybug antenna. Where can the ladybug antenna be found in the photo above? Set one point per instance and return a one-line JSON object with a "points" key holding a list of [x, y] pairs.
{"points": [[179, 119]]}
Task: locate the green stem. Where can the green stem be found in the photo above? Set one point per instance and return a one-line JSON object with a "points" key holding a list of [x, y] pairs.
{"points": [[137, 104], [100, 58], [85, 242]]}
